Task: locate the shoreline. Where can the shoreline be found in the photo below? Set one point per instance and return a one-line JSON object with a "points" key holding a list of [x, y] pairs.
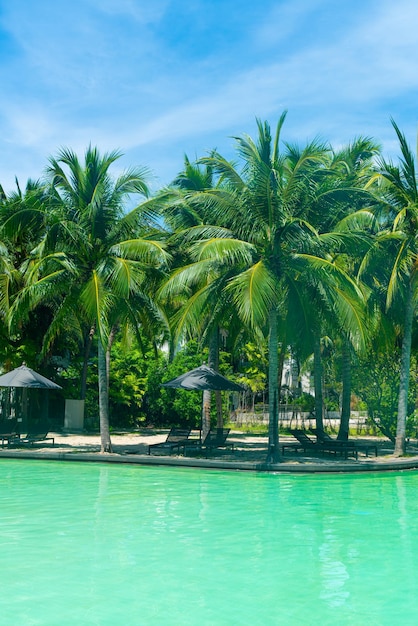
{"points": [[249, 454]]}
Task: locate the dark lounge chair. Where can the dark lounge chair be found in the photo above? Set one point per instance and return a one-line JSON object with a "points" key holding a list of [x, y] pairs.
{"points": [[215, 438], [324, 438], [9, 430], [175, 438], [38, 433], [306, 443]]}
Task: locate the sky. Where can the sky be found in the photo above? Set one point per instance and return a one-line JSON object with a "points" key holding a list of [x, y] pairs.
{"points": [[158, 79]]}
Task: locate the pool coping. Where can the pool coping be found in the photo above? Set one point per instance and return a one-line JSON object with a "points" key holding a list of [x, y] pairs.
{"points": [[299, 467]]}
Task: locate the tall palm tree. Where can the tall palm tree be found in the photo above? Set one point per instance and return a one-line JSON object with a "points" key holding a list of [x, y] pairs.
{"points": [[263, 240], [94, 255], [201, 309], [23, 218], [398, 193], [343, 206]]}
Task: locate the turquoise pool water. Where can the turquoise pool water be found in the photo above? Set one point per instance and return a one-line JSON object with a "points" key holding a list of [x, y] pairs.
{"points": [[101, 544]]}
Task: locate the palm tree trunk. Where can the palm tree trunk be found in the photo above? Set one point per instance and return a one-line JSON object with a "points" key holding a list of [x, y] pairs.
{"points": [[171, 350], [273, 454], [206, 408], [87, 348], [400, 446], [213, 362], [219, 414], [110, 341], [106, 444], [346, 392], [281, 366], [319, 401]]}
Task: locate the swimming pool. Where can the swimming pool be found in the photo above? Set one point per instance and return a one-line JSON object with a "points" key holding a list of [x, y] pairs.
{"points": [[85, 543]]}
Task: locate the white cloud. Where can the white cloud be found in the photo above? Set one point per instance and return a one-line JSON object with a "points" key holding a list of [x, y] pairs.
{"points": [[109, 78], [26, 124]]}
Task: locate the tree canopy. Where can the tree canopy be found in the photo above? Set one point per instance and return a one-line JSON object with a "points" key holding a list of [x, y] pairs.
{"points": [[287, 247]]}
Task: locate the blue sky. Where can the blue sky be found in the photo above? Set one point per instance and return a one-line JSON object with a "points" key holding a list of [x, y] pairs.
{"points": [[160, 78]]}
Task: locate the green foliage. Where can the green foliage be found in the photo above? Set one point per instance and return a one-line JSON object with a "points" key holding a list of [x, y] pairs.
{"points": [[128, 385], [255, 366], [249, 428], [332, 403], [376, 381], [69, 379], [283, 234], [136, 396], [174, 406], [306, 402]]}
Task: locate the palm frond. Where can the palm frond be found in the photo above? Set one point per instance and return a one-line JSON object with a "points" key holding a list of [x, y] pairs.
{"points": [[192, 314], [97, 301], [225, 169], [225, 251], [144, 250], [183, 279], [254, 293], [396, 273], [408, 164]]}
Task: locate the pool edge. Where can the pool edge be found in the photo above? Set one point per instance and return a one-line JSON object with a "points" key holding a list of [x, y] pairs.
{"points": [[389, 464]]}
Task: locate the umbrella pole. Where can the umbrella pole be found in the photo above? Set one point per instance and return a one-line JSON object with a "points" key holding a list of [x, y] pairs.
{"points": [[206, 413], [24, 407], [219, 415], [7, 403], [44, 405]]}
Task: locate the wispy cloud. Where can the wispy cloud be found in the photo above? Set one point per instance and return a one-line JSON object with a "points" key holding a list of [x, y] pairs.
{"points": [[159, 78]]}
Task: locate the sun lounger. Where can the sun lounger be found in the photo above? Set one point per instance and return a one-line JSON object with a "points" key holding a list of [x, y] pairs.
{"points": [[346, 450], [37, 434], [9, 431], [292, 446], [215, 438], [324, 438], [304, 442], [175, 438]]}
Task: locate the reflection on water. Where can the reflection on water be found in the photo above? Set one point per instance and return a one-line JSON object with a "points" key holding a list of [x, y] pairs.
{"points": [[126, 544], [333, 573]]}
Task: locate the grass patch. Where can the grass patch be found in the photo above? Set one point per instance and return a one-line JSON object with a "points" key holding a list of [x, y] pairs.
{"points": [[249, 429]]}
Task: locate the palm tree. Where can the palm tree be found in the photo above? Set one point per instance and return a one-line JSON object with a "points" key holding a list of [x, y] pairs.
{"points": [[398, 194], [93, 256], [262, 242], [23, 219], [201, 303], [343, 206]]}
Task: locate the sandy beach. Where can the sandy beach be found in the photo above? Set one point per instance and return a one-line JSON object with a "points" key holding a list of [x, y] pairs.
{"points": [[249, 453], [249, 447]]}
